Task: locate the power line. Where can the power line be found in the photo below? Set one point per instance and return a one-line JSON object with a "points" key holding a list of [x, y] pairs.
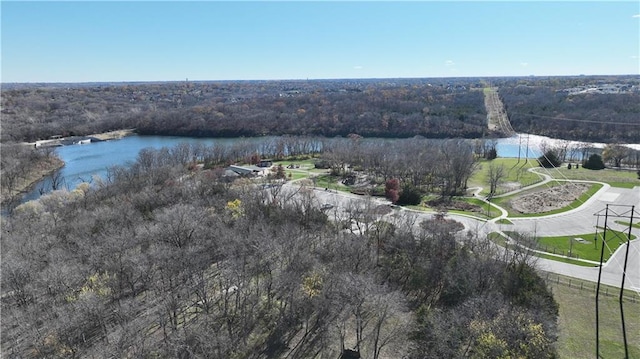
{"points": [[628, 214], [577, 120]]}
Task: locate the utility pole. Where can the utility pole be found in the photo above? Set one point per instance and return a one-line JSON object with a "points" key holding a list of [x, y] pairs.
{"points": [[570, 246], [627, 213], [489, 206]]}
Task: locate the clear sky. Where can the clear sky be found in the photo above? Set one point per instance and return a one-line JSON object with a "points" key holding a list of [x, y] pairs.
{"points": [[87, 41]]}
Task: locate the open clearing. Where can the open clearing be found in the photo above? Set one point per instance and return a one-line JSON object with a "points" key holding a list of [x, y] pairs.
{"points": [[576, 321], [549, 198]]}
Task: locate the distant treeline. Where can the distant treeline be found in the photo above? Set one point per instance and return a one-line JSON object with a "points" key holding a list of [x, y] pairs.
{"points": [[591, 109], [433, 108], [382, 108], [376, 111]]}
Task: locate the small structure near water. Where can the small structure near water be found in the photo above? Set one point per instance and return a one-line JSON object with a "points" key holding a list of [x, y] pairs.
{"points": [[248, 171]]}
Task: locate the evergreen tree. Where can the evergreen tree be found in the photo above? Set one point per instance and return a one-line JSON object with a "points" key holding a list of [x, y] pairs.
{"points": [[409, 195], [594, 162], [549, 159]]}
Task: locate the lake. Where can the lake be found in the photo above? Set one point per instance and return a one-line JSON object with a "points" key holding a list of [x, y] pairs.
{"points": [[83, 162]]}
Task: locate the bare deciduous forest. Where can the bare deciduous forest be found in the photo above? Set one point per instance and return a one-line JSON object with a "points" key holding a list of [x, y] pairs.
{"points": [[165, 260], [171, 258], [434, 108], [590, 109]]}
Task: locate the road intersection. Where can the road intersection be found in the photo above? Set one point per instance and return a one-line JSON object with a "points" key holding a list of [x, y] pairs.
{"points": [[577, 221]]}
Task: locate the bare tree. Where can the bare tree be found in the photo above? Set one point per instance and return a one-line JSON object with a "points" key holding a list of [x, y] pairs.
{"points": [[455, 165], [615, 154], [495, 174]]}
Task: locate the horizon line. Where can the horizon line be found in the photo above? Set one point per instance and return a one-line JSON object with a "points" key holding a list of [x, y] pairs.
{"points": [[308, 79]]}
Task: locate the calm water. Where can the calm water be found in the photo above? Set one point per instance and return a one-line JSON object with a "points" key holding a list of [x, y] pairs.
{"points": [[83, 162]]}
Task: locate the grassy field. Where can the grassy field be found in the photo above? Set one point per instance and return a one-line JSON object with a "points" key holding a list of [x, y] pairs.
{"points": [[517, 177], [331, 182], [576, 321], [299, 169], [636, 224], [493, 212], [584, 248], [564, 260], [516, 173], [293, 175], [616, 178], [504, 221], [500, 240], [308, 163]]}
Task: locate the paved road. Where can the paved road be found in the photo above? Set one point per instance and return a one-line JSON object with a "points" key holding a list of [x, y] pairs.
{"points": [[611, 271], [583, 220], [577, 221]]}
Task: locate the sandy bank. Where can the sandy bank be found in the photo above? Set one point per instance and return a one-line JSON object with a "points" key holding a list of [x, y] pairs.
{"points": [[113, 135], [105, 136]]}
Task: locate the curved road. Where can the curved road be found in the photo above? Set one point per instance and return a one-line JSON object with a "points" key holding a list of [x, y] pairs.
{"points": [[577, 221], [583, 220]]}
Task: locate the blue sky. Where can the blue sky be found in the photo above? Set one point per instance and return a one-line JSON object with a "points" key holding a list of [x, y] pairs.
{"points": [[212, 40]]}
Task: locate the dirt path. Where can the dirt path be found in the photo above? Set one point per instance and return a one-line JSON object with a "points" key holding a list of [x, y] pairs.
{"points": [[496, 115]]}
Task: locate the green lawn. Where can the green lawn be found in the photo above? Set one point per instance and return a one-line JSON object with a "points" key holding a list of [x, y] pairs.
{"points": [[635, 224], [487, 211], [497, 238], [295, 175], [576, 321], [517, 174], [301, 168], [564, 260], [308, 163], [331, 182], [584, 248], [500, 240], [504, 221], [615, 178], [303, 165]]}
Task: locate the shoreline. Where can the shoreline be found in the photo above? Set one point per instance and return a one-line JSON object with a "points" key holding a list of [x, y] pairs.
{"points": [[103, 136], [113, 135], [36, 173]]}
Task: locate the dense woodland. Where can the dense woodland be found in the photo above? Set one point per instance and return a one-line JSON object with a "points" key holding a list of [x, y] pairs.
{"points": [[384, 108], [589, 109], [433, 108], [163, 259], [18, 162], [167, 258]]}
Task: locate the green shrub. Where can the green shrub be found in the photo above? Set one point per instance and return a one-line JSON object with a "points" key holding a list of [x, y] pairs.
{"points": [[410, 195], [594, 162], [549, 160]]}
